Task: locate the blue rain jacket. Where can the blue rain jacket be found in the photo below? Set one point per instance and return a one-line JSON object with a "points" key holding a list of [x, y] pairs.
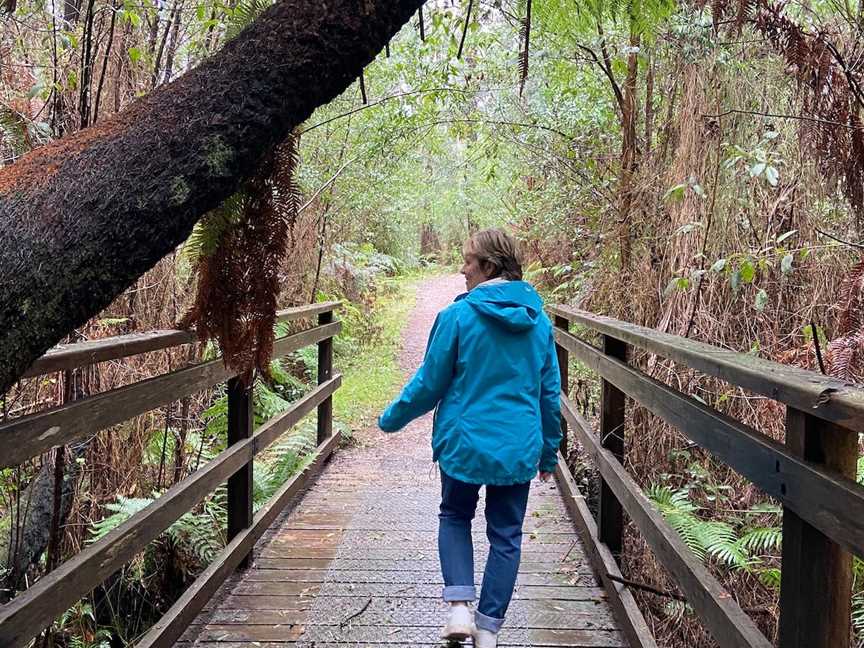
{"points": [[492, 371]]}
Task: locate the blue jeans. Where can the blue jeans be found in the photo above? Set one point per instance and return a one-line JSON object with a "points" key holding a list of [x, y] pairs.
{"points": [[505, 513]]}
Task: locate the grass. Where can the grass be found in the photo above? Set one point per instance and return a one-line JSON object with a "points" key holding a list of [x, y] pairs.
{"points": [[372, 376]]}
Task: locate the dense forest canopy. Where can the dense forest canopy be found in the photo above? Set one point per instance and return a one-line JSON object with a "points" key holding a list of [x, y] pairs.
{"points": [[691, 167]]}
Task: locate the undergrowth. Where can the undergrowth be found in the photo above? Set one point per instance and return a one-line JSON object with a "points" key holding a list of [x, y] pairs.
{"points": [[372, 374]]}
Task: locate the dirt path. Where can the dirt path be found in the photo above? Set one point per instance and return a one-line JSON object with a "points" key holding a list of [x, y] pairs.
{"points": [[433, 295]]}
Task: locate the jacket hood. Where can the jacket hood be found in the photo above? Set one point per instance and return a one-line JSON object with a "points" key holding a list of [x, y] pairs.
{"points": [[514, 305]]}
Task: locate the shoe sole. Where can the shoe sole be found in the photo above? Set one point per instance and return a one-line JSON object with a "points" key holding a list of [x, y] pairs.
{"points": [[457, 634]]}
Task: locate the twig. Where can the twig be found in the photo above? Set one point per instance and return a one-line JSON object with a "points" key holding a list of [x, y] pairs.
{"points": [[465, 29], [839, 240], [345, 621], [814, 330], [733, 111], [666, 594]]}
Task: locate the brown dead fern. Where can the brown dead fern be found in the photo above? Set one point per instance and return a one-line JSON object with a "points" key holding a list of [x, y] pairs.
{"points": [[238, 280]]}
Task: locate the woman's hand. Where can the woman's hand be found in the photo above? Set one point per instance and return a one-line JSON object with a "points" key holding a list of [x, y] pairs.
{"points": [[545, 476]]}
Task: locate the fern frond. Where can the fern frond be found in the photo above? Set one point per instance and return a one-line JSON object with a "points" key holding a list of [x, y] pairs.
{"points": [[763, 539], [245, 12]]}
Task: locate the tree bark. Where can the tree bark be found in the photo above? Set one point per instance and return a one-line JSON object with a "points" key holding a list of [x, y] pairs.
{"points": [[82, 218]]}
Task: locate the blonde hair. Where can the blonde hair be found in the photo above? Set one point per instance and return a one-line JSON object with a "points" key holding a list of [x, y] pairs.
{"points": [[496, 248]]}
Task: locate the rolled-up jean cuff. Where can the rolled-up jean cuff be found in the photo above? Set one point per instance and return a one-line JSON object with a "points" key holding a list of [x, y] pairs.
{"points": [[460, 593], [487, 623]]}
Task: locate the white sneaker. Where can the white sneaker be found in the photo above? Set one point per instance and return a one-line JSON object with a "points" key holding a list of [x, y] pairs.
{"points": [[460, 624], [485, 639]]}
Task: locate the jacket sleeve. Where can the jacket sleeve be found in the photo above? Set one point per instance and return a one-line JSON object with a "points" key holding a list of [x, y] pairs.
{"points": [[550, 408], [432, 379]]}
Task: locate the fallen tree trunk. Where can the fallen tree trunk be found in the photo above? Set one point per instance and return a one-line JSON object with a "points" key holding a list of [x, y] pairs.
{"points": [[82, 218]]}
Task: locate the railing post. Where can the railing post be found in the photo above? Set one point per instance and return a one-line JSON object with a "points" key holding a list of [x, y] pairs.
{"points": [[816, 588], [563, 366], [610, 517], [325, 372], [240, 426]]}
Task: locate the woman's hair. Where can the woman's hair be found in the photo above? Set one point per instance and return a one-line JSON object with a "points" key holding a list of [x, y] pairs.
{"points": [[497, 249]]}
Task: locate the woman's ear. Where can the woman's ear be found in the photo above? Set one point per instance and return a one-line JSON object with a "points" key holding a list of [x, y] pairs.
{"points": [[490, 270]]}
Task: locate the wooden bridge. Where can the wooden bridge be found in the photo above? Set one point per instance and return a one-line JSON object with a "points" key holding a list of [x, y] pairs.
{"points": [[344, 553]]}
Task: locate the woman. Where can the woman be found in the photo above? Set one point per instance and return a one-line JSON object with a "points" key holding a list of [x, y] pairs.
{"points": [[492, 372]]}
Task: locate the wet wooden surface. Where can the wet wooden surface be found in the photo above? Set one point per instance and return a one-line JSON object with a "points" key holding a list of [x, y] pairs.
{"points": [[356, 564]]}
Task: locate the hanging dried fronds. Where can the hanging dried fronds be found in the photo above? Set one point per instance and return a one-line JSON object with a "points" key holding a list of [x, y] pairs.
{"points": [[832, 94], [526, 45], [238, 280]]}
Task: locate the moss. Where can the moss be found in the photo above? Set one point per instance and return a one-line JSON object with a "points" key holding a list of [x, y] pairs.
{"points": [[217, 156], [180, 191]]}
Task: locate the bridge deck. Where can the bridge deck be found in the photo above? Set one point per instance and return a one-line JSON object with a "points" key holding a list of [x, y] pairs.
{"points": [[355, 564]]}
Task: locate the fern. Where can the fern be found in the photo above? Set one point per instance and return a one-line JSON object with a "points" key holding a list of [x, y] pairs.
{"points": [[763, 539], [122, 509], [209, 230], [714, 539], [245, 12]]}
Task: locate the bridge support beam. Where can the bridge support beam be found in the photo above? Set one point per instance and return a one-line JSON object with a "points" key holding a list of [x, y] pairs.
{"points": [[241, 423], [610, 517], [325, 372], [816, 588], [563, 366]]}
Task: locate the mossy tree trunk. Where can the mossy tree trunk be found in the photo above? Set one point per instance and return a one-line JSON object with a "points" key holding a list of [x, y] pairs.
{"points": [[83, 217]]}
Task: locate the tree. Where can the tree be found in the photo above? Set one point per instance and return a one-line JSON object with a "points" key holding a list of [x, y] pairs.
{"points": [[83, 217]]}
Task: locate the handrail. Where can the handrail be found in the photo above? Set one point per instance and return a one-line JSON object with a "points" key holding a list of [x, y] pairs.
{"points": [[71, 356], [822, 396], [27, 614], [30, 435], [812, 474], [796, 483]]}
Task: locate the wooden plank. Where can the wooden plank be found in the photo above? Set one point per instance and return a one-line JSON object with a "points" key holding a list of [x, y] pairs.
{"points": [[624, 606], [71, 356], [26, 615], [184, 611], [564, 369], [325, 369], [29, 436], [821, 396], [724, 619], [610, 514], [816, 589], [241, 422], [828, 500]]}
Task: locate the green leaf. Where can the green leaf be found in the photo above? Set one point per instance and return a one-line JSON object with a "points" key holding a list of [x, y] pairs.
{"points": [[772, 175], [748, 271], [719, 265], [134, 54], [786, 264], [761, 300], [785, 236], [675, 193], [757, 169]]}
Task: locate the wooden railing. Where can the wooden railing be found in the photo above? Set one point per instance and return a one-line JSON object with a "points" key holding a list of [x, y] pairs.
{"points": [[21, 439], [811, 475]]}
